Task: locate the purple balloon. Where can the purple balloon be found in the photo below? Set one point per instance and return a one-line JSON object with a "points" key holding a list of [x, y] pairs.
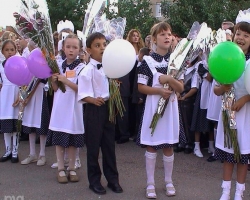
{"points": [[38, 65], [16, 70]]}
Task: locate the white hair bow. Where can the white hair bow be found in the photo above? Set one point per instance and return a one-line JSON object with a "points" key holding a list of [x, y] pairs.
{"points": [[65, 25], [243, 16]]}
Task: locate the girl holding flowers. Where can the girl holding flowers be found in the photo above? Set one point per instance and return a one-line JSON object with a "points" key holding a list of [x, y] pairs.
{"points": [[63, 133], [150, 82], [242, 115]]}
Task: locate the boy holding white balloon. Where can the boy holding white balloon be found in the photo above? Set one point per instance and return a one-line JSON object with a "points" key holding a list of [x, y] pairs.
{"points": [[93, 89]]}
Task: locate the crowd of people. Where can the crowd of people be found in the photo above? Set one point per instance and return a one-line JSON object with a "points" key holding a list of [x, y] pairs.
{"points": [[190, 122]]}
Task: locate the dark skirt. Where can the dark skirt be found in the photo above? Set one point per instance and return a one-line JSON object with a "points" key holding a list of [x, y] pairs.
{"points": [[200, 123], [229, 157], [43, 130], [182, 136], [8, 125], [65, 139]]}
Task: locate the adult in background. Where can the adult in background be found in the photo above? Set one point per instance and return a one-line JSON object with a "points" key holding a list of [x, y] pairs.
{"points": [[134, 37]]}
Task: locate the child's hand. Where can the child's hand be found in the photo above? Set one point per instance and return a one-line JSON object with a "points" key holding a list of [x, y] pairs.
{"points": [[98, 101], [165, 93], [16, 102], [239, 104], [226, 88], [54, 77], [61, 78], [164, 79]]}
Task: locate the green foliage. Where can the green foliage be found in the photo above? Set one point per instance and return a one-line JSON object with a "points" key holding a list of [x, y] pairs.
{"points": [[183, 13], [137, 13], [73, 10]]}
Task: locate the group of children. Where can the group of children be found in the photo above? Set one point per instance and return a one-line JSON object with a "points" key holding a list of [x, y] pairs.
{"points": [[87, 121]]}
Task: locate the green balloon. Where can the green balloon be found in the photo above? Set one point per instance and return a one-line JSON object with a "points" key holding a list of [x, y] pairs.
{"points": [[226, 62]]}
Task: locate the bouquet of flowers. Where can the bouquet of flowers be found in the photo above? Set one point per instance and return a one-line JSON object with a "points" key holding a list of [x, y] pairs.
{"points": [[24, 94], [33, 22]]}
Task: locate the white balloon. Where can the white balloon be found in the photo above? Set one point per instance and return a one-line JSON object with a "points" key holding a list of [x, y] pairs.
{"points": [[118, 58], [247, 78]]}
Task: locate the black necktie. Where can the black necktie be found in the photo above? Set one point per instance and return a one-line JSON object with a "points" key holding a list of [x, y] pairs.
{"points": [[99, 66]]}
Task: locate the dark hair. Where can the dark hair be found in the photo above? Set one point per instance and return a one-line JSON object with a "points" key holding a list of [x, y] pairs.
{"points": [[6, 42], [144, 51], [92, 37], [73, 36]]}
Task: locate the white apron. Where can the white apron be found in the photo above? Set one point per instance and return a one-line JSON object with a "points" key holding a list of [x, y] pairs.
{"points": [[242, 121], [167, 128], [214, 105], [33, 110], [67, 112], [205, 93], [9, 94]]}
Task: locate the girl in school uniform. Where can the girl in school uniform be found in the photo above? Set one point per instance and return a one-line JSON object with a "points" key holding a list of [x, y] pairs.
{"points": [[66, 109], [8, 113], [150, 82], [36, 119], [242, 115], [200, 123]]}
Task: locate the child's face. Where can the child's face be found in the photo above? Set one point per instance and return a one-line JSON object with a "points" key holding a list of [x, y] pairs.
{"points": [[71, 48], [163, 40], [242, 39], [9, 50], [97, 48]]}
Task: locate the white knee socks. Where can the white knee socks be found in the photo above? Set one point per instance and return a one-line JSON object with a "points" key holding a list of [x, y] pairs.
{"points": [[150, 168], [226, 186], [15, 145], [168, 162], [32, 141], [7, 141], [240, 188], [42, 145]]}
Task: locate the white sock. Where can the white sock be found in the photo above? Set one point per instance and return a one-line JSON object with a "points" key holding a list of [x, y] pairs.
{"points": [[32, 140], [7, 141], [15, 145], [42, 145], [197, 145], [240, 188], [150, 168], [77, 153], [168, 162]]}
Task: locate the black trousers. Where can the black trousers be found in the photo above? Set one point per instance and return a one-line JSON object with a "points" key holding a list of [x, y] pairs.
{"points": [[122, 123], [100, 133], [186, 109]]}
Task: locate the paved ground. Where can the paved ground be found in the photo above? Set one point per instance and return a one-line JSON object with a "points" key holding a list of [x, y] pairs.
{"points": [[194, 178]]}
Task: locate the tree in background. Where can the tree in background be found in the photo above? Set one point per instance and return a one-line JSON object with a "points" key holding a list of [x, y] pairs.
{"points": [[183, 13], [73, 10], [137, 13]]}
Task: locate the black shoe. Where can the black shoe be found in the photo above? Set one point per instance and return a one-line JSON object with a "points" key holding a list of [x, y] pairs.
{"points": [[211, 159], [188, 150], [115, 187], [5, 158], [98, 189], [121, 141], [24, 138], [178, 149], [15, 159]]}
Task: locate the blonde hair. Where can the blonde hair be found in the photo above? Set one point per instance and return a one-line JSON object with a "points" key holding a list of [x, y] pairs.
{"points": [[140, 44]]}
